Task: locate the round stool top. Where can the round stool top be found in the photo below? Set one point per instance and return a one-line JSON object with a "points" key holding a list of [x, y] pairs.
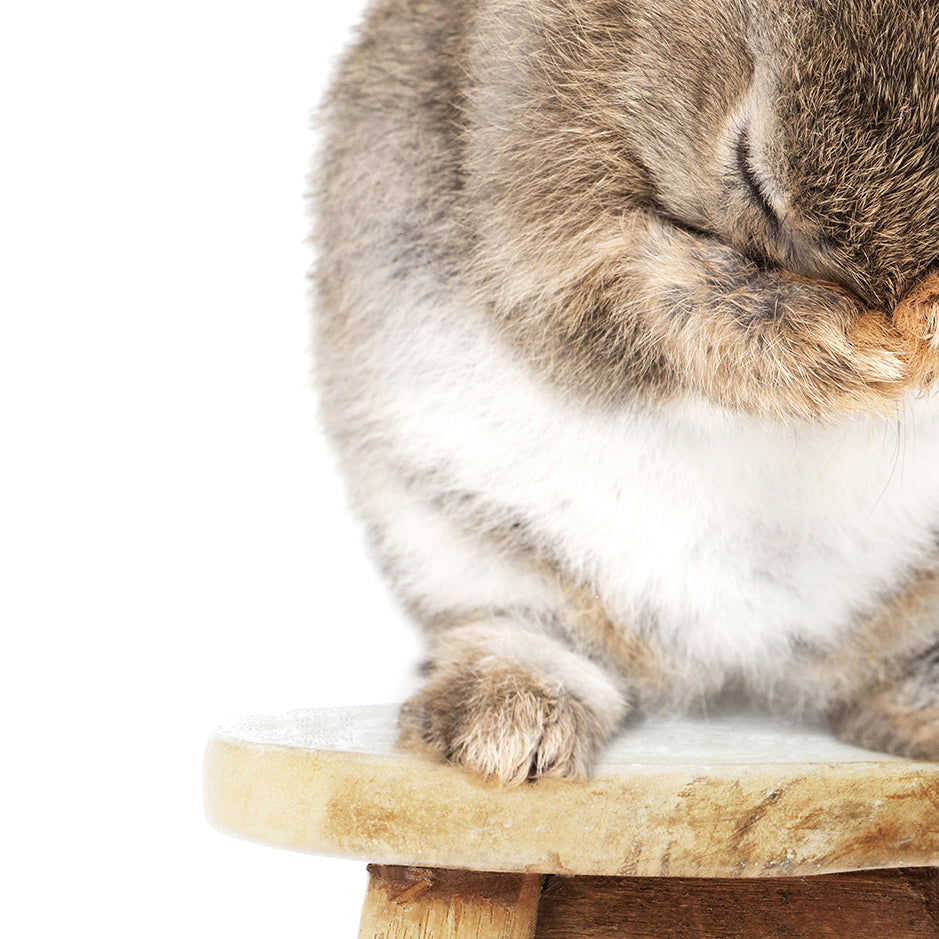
{"points": [[725, 797]]}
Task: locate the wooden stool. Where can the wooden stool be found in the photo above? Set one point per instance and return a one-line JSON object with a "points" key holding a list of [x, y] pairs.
{"points": [[733, 827]]}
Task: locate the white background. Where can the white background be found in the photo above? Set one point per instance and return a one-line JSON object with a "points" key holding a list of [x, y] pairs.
{"points": [[176, 550]]}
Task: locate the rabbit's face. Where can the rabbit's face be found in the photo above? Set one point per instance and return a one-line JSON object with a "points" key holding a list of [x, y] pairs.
{"points": [[807, 132]]}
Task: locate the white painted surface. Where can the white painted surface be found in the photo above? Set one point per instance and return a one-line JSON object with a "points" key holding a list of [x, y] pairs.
{"points": [[719, 741]]}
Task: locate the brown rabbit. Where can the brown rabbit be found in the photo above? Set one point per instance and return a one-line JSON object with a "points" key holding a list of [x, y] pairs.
{"points": [[627, 323]]}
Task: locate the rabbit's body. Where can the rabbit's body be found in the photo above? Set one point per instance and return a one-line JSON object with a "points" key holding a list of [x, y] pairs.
{"points": [[608, 459]]}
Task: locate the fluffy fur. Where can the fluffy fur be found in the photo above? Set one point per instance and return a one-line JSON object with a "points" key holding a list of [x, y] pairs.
{"points": [[627, 326]]}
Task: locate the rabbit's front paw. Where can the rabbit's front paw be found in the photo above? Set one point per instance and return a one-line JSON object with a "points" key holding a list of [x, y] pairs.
{"points": [[917, 318], [503, 721]]}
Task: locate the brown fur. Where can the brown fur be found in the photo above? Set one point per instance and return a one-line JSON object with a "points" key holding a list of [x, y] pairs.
{"points": [[501, 720], [917, 319], [898, 716], [595, 262], [558, 169], [542, 150], [885, 683]]}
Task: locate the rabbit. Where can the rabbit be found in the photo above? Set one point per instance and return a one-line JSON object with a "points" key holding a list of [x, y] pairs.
{"points": [[626, 336]]}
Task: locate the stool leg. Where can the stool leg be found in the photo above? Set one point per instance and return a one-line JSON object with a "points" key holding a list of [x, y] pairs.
{"points": [[420, 902]]}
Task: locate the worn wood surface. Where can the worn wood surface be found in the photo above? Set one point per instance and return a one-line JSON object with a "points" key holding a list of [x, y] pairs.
{"points": [[422, 903], [737, 797], [892, 904]]}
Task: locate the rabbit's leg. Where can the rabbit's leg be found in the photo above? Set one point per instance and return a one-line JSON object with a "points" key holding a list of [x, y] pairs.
{"points": [[669, 312], [524, 673], [883, 684], [506, 699], [898, 713]]}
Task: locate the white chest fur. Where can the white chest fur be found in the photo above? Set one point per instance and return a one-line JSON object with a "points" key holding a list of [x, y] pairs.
{"points": [[735, 537]]}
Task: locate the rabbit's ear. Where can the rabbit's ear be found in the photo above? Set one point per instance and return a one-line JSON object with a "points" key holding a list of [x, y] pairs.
{"points": [[801, 133], [856, 129]]}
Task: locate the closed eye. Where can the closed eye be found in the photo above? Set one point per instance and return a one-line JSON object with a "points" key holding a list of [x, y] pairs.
{"points": [[747, 174]]}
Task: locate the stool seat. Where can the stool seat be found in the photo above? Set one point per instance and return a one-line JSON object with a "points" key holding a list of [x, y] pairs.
{"points": [[727, 797]]}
